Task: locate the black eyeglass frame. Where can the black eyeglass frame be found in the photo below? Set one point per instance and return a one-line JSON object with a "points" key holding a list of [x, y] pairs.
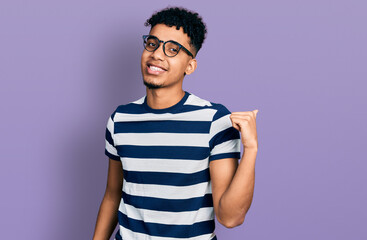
{"points": [[164, 44]]}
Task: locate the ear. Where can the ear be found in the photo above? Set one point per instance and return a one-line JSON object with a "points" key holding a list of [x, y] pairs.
{"points": [[191, 66]]}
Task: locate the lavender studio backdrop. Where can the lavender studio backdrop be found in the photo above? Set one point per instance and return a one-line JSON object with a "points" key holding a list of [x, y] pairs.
{"points": [[66, 65]]}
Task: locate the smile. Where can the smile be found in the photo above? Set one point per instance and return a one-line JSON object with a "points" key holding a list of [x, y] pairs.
{"points": [[155, 70]]}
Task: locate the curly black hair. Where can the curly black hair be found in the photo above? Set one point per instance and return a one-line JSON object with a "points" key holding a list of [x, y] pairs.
{"points": [[190, 21]]}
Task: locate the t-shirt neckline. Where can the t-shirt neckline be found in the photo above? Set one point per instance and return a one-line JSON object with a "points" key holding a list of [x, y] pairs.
{"points": [[166, 110]]}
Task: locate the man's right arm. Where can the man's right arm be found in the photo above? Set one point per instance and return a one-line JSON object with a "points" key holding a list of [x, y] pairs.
{"points": [[107, 215]]}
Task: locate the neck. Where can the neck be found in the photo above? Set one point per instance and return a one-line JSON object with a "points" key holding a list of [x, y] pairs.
{"points": [[162, 98]]}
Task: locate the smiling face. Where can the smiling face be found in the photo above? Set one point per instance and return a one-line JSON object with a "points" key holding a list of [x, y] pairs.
{"points": [[161, 71]]}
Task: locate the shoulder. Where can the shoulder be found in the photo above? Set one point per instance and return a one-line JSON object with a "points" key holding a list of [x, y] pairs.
{"points": [[129, 108], [198, 101], [194, 100], [219, 109]]}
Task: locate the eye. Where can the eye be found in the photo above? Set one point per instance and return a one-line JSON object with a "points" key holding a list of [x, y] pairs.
{"points": [[173, 50], [151, 44]]}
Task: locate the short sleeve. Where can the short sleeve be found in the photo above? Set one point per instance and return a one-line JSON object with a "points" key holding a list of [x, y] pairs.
{"points": [[110, 148], [225, 141]]}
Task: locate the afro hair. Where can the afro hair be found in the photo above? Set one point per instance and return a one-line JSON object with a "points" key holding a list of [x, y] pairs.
{"points": [[190, 21]]}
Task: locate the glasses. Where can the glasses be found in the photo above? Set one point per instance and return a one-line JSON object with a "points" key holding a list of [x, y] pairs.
{"points": [[170, 48]]}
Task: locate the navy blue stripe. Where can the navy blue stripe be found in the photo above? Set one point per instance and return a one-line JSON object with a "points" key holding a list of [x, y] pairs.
{"points": [[109, 137], [111, 156], [113, 115], [225, 155], [130, 108], [164, 152], [168, 126], [166, 230], [167, 178], [223, 136], [221, 111], [170, 205], [171, 109], [118, 235]]}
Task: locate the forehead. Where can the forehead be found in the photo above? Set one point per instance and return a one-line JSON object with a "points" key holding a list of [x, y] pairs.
{"points": [[165, 33]]}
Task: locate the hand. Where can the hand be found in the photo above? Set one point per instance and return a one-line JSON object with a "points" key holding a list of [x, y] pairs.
{"points": [[245, 122]]}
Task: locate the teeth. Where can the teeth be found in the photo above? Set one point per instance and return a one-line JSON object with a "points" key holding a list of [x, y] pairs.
{"points": [[156, 68]]}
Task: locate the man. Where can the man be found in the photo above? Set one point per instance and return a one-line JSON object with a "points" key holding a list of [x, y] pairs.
{"points": [[173, 157]]}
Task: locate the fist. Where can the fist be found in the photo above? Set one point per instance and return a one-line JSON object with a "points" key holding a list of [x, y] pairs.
{"points": [[245, 122]]}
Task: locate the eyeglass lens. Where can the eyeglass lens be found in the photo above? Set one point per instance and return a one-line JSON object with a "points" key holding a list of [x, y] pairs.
{"points": [[171, 49]]}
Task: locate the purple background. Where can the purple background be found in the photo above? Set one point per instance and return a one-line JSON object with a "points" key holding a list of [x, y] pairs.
{"points": [[66, 65]]}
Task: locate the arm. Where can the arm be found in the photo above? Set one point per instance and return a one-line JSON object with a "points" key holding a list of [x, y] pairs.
{"points": [[233, 188], [107, 215], [233, 183]]}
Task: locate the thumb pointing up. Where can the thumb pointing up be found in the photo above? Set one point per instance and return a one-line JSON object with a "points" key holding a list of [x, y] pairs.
{"points": [[255, 111]]}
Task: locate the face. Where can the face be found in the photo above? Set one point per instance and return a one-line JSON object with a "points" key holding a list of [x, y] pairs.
{"points": [[161, 71]]}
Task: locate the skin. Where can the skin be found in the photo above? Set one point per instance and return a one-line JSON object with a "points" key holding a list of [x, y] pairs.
{"points": [[232, 182], [168, 86], [107, 214]]}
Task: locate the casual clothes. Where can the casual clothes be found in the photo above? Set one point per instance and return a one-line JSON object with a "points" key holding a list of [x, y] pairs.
{"points": [[165, 155]]}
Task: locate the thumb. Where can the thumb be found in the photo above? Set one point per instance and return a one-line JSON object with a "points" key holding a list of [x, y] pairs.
{"points": [[255, 111]]}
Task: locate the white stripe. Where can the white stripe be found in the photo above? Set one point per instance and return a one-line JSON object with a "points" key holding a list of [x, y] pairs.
{"points": [[220, 124], [233, 145], [164, 217], [196, 101], [164, 165], [198, 115], [111, 149], [162, 139], [110, 125], [130, 235], [166, 191], [139, 101]]}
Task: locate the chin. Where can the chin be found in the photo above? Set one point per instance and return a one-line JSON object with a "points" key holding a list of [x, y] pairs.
{"points": [[152, 85]]}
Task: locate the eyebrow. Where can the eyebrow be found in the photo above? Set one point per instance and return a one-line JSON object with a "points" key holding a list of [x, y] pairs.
{"points": [[162, 39], [168, 40]]}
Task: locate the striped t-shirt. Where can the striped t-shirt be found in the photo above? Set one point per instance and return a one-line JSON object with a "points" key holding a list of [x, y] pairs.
{"points": [[165, 155]]}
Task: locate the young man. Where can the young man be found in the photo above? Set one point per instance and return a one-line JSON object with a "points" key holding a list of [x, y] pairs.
{"points": [[173, 157]]}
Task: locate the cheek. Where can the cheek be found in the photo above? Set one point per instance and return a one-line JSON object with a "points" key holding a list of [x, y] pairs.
{"points": [[143, 61], [178, 66], [145, 55]]}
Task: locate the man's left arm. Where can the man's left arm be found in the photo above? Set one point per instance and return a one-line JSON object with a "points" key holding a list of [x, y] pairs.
{"points": [[233, 183]]}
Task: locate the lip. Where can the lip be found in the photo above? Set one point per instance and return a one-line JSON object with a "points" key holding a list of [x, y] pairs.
{"points": [[156, 65], [150, 71]]}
